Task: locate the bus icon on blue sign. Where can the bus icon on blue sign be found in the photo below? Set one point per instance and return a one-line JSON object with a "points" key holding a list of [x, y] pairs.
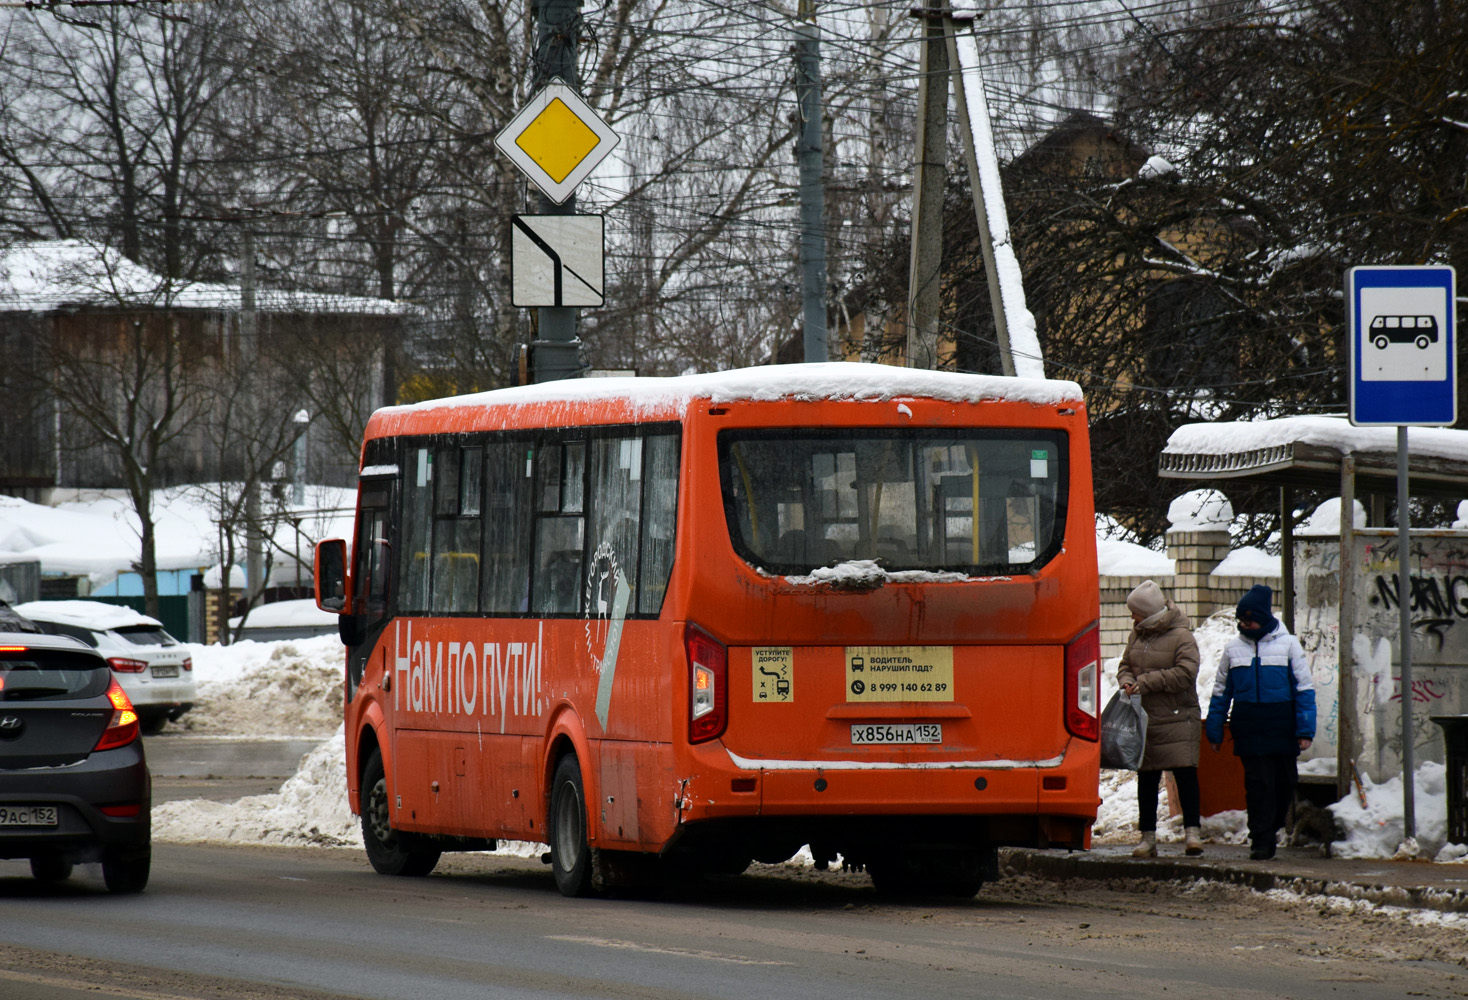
{"points": [[1418, 330]]}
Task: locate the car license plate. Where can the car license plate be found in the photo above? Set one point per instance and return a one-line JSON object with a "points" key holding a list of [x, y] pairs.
{"points": [[27, 815], [165, 671], [900, 732]]}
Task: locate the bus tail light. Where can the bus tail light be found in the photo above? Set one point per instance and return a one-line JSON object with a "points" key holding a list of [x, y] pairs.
{"points": [[708, 665], [122, 728], [1082, 674]]}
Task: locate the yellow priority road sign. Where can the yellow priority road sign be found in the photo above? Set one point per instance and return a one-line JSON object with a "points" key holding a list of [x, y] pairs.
{"points": [[556, 139]]}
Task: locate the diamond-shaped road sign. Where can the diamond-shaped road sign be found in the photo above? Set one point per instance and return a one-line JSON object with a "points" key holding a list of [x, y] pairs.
{"points": [[556, 260], [556, 139]]}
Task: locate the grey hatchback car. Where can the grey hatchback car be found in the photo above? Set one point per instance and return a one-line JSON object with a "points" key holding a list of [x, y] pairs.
{"points": [[74, 784]]}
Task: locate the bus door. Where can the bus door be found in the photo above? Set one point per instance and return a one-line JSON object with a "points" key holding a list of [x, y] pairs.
{"points": [[371, 575]]}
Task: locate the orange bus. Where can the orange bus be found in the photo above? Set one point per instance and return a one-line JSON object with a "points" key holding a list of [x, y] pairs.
{"points": [[701, 621]]}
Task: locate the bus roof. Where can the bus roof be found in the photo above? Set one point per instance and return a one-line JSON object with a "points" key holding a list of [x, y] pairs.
{"points": [[669, 398]]}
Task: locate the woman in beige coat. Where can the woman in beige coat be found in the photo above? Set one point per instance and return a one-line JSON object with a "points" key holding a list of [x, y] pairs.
{"points": [[1161, 664]]}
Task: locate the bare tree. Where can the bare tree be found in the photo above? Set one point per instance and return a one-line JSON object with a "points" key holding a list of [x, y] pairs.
{"points": [[102, 129]]}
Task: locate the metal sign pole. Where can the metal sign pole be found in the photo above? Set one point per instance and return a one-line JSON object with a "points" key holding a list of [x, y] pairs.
{"points": [[1404, 606]]}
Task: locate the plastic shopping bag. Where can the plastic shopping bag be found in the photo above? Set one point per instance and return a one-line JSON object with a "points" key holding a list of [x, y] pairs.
{"points": [[1123, 732]]}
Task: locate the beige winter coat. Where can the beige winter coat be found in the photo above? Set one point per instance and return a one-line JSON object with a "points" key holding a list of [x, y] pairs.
{"points": [[1161, 659]]}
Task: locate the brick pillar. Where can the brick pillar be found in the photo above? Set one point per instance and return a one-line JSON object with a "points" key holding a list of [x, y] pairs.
{"points": [[1195, 554]]}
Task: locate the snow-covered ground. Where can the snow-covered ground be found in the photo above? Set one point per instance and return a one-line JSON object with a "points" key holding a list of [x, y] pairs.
{"points": [[294, 688]]}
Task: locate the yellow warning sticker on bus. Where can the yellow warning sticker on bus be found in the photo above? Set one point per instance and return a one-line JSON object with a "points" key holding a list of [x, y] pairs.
{"points": [[899, 673], [774, 673]]}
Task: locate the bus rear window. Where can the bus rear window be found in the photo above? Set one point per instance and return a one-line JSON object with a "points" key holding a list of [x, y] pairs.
{"points": [[976, 501]]}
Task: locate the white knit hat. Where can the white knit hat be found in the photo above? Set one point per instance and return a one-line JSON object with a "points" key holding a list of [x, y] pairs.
{"points": [[1147, 599]]}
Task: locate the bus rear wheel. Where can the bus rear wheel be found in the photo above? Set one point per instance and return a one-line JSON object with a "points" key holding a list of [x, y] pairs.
{"points": [[570, 854], [392, 852]]}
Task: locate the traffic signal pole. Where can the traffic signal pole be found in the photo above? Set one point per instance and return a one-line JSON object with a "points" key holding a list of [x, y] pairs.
{"points": [[555, 352]]}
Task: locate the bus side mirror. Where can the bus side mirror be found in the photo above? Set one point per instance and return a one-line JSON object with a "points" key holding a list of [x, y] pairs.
{"points": [[331, 575]]}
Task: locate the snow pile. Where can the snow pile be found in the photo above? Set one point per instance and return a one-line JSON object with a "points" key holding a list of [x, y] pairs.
{"points": [[1115, 556], [289, 688], [310, 809], [1325, 520], [1377, 830], [1200, 510], [1155, 167], [1249, 563]]}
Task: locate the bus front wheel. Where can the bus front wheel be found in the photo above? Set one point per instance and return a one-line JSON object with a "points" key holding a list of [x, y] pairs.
{"points": [[392, 852], [570, 854]]}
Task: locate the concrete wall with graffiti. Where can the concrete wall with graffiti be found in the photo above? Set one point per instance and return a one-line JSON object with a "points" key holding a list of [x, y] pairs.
{"points": [[1439, 605]]}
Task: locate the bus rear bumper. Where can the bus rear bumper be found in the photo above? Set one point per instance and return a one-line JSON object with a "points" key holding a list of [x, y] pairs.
{"points": [[1032, 804]]}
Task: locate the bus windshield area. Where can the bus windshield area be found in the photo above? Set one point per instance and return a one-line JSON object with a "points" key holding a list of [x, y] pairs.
{"points": [[975, 501]]}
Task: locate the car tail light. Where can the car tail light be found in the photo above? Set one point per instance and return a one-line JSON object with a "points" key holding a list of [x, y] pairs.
{"points": [[188, 663], [123, 665], [1082, 674], [123, 727], [708, 666], [122, 810]]}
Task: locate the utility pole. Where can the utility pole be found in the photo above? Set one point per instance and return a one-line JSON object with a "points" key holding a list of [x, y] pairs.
{"points": [[930, 173], [946, 51], [250, 355], [812, 183], [555, 352]]}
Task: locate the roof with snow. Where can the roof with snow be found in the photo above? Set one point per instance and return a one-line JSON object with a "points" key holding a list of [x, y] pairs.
{"points": [[88, 614], [666, 398], [59, 274], [1307, 452]]}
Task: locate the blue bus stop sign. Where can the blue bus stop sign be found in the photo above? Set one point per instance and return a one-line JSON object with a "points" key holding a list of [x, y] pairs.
{"points": [[1404, 355]]}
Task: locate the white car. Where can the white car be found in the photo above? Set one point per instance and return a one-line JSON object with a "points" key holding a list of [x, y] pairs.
{"points": [[153, 667]]}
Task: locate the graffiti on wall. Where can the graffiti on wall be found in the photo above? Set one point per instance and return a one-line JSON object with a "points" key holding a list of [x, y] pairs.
{"points": [[1438, 596]]}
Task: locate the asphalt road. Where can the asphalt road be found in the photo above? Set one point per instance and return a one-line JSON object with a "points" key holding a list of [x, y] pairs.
{"points": [[186, 766], [237, 923]]}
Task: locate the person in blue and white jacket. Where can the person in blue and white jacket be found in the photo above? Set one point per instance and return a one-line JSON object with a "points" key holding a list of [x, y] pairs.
{"points": [[1264, 675]]}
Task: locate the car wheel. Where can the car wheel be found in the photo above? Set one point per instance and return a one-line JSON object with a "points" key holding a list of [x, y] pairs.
{"points": [[392, 852], [50, 868], [1380, 343], [152, 724], [126, 872], [570, 855]]}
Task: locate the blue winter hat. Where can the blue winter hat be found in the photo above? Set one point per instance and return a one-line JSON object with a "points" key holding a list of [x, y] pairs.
{"points": [[1256, 604]]}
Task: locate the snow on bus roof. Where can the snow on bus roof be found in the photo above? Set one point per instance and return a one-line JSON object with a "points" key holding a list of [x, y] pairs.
{"points": [[837, 380], [1227, 438]]}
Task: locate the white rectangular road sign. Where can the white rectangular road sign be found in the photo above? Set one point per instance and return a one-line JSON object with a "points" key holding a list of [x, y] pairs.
{"points": [[557, 260], [1400, 322]]}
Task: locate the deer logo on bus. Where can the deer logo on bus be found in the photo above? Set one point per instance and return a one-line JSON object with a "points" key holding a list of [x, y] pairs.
{"points": [[1419, 330]]}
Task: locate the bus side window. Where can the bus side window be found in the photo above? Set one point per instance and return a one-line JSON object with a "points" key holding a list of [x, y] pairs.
{"points": [[508, 526], [560, 529], [616, 499], [456, 533], [659, 519], [417, 536]]}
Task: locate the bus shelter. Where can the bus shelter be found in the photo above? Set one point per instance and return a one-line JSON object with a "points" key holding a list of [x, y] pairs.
{"points": [[1341, 594]]}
